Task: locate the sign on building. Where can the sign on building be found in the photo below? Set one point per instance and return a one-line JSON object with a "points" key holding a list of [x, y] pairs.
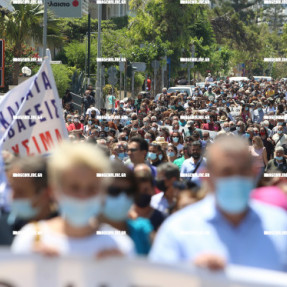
{"points": [[66, 8]]}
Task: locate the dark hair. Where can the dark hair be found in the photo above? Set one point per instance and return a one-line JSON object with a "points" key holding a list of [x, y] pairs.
{"points": [[169, 169], [33, 164], [118, 167], [143, 145], [196, 143]]}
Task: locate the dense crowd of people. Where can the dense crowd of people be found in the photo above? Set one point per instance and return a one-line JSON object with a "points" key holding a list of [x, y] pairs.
{"points": [[197, 177]]}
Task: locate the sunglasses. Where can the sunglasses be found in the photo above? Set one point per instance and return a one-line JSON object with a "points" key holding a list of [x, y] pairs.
{"points": [[115, 191], [132, 149]]}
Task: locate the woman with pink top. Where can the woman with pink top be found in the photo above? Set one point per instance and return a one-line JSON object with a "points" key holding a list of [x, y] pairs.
{"points": [[259, 155]]}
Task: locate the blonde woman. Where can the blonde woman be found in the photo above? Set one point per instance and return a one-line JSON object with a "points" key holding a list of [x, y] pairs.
{"points": [[73, 172], [259, 155]]}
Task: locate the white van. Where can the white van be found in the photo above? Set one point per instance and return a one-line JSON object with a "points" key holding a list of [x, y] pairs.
{"points": [[238, 79], [259, 78]]}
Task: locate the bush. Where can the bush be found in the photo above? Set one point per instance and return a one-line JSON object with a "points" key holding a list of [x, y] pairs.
{"points": [[107, 90], [62, 75]]}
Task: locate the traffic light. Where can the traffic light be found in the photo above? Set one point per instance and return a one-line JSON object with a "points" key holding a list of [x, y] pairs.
{"points": [[2, 63]]}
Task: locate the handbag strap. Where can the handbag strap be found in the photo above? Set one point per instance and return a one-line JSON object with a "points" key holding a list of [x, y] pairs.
{"points": [[197, 166]]}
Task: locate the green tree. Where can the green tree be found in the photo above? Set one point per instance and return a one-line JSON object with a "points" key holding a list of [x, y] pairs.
{"points": [[23, 25]]}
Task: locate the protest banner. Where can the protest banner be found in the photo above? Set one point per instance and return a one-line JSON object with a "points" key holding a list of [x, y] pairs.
{"points": [[31, 119], [35, 271]]}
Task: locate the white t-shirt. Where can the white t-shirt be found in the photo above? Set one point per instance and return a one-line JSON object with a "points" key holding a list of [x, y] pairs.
{"points": [[89, 110], [87, 246], [159, 202], [208, 79]]}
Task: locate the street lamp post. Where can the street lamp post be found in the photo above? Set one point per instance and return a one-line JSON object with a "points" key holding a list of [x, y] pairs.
{"points": [[99, 64], [45, 27]]}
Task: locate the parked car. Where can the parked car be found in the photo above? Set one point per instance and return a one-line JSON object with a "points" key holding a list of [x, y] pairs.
{"points": [[181, 89]]}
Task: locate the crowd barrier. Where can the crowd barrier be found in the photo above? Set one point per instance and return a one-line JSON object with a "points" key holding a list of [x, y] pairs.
{"points": [[38, 271]]}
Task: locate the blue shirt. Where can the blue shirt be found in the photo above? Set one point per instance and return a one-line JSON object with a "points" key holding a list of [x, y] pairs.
{"points": [[201, 228], [140, 232], [188, 166], [258, 116]]}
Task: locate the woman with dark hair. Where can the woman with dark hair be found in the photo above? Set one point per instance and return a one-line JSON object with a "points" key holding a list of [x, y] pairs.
{"points": [[120, 197], [267, 142], [245, 113]]}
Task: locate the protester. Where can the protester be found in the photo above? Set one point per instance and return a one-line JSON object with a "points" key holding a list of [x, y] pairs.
{"points": [[31, 197], [80, 195], [192, 234], [190, 167], [167, 174], [278, 164], [121, 195]]}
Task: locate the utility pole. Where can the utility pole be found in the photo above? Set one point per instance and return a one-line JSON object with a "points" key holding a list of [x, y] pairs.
{"points": [[99, 63], [89, 46], [133, 84], [125, 80], [45, 27]]}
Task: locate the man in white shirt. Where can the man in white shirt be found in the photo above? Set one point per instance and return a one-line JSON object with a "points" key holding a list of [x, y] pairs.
{"points": [[167, 174], [279, 138], [208, 79], [92, 108]]}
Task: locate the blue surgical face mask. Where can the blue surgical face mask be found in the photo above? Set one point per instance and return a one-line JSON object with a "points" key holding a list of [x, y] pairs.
{"points": [[23, 209], [152, 155], [175, 139], [96, 126], [106, 129], [116, 208], [170, 154], [247, 135], [78, 212], [128, 122], [259, 109], [160, 156], [280, 132], [246, 109], [147, 140], [278, 157], [232, 193], [223, 101], [89, 122]]}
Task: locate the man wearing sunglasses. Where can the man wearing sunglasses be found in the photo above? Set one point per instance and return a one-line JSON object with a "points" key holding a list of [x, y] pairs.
{"points": [[137, 151]]}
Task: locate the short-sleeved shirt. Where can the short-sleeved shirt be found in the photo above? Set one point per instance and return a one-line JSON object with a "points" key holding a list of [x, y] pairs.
{"points": [[159, 202], [189, 166], [75, 126], [88, 101], [179, 161], [87, 246], [139, 231]]}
